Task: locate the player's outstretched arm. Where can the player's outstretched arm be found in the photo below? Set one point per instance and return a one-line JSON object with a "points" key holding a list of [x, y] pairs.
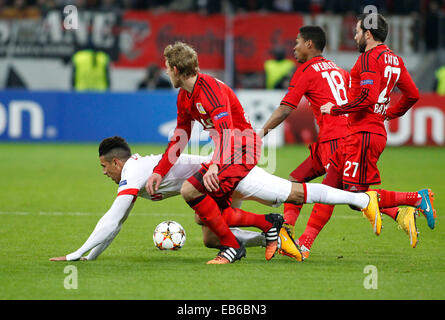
{"points": [[276, 118], [106, 229]]}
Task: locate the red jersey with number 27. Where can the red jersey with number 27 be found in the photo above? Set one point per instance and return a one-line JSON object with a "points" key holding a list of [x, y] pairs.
{"points": [[373, 77], [321, 81], [217, 108]]}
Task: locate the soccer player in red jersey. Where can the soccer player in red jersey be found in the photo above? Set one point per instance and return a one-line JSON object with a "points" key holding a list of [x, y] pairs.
{"points": [[376, 73], [237, 150], [319, 80]]}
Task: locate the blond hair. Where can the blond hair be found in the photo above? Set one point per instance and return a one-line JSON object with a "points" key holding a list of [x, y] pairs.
{"points": [[183, 57]]}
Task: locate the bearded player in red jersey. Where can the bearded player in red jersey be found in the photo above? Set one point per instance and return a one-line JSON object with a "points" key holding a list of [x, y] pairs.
{"points": [[320, 80], [237, 150], [375, 74]]}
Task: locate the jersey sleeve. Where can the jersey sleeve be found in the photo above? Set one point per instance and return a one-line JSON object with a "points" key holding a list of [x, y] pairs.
{"points": [[296, 90], [177, 143], [369, 87], [410, 95], [132, 180], [106, 228]]}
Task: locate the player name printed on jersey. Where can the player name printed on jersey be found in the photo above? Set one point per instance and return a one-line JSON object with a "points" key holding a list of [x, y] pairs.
{"points": [[323, 66], [391, 59]]}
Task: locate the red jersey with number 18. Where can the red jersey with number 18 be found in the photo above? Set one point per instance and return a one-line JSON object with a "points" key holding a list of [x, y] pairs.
{"points": [[321, 81], [373, 77]]}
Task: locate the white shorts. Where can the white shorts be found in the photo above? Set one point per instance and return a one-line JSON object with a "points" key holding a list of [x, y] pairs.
{"points": [[261, 186]]}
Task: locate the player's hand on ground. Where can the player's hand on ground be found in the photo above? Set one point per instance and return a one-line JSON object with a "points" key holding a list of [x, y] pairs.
{"points": [[63, 258], [153, 183], [210, 179], [326, 108]]}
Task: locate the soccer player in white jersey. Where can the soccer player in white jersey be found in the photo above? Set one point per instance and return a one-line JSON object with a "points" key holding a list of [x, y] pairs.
{"points": [[131, 172]]}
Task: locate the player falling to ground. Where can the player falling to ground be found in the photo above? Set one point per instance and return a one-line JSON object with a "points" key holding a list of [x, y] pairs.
{"points": [[376, 73], [320, 81], [131, 172]]}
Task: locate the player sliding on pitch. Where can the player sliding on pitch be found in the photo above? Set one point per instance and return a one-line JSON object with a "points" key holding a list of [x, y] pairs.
{"points": [[131, 173]]}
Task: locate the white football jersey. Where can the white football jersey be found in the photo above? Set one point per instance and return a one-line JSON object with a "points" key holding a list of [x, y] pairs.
{"points": [[258, 185], [138, 169]]}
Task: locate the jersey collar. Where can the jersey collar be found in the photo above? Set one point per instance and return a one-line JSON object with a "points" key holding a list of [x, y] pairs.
{"points": [[189, 95]]}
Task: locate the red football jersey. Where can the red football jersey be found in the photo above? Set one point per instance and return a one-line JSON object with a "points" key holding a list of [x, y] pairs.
{"points": [[373, 77], [217, 108], [321, 81]]}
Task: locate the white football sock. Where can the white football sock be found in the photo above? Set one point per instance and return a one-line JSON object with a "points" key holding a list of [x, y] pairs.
{"points": [[249, 238], [320, 193]]}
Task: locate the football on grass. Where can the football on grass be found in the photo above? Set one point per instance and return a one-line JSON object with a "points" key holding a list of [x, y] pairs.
{"points": [[169, 235]]}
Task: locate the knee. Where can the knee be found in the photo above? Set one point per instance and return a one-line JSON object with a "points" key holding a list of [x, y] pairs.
{"points": [[188, 191]]}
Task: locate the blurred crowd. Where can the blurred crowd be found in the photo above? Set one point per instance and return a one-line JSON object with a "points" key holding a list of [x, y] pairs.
{"points": [[34, 8]]}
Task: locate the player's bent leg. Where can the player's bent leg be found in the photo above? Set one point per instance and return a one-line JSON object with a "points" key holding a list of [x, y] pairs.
{"points": [[320, 215], [210, 214]]}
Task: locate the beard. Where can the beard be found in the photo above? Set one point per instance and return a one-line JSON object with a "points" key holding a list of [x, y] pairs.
{"points": [[361, 45]]}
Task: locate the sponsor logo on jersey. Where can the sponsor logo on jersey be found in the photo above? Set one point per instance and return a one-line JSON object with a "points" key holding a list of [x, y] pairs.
{"points": [[365, 82], [200, 108], [122, 183], [220, 115]]}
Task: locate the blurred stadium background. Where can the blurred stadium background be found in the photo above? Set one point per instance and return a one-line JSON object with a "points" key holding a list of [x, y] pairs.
{"points": [[39, 100], [51, 122]]}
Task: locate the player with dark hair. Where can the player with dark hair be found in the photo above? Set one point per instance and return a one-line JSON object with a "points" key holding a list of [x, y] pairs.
{"points": [[131, 172], [376, 73], [237, 150], [320, 81]]}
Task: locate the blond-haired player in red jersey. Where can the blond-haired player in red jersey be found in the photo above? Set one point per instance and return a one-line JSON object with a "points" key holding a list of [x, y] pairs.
{"points": [[237, 150], [376, 73]]}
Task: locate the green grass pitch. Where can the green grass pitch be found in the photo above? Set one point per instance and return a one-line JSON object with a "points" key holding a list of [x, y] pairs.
{"points": [[52, 196]]}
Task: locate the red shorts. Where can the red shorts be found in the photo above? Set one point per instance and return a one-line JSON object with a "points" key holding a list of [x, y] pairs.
{"points": [[315, 165], [357, 160], [229, 176]]}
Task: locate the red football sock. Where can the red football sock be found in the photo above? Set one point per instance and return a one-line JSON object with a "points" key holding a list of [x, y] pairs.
{"points": [[390, 199], [291, 213], [210, 214], [320, 215], [391, 212], [235, 217]]}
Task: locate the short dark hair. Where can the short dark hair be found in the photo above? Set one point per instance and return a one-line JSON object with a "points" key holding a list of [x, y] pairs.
{"points": [[114, 147], [316, 34], [381, 32]]}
